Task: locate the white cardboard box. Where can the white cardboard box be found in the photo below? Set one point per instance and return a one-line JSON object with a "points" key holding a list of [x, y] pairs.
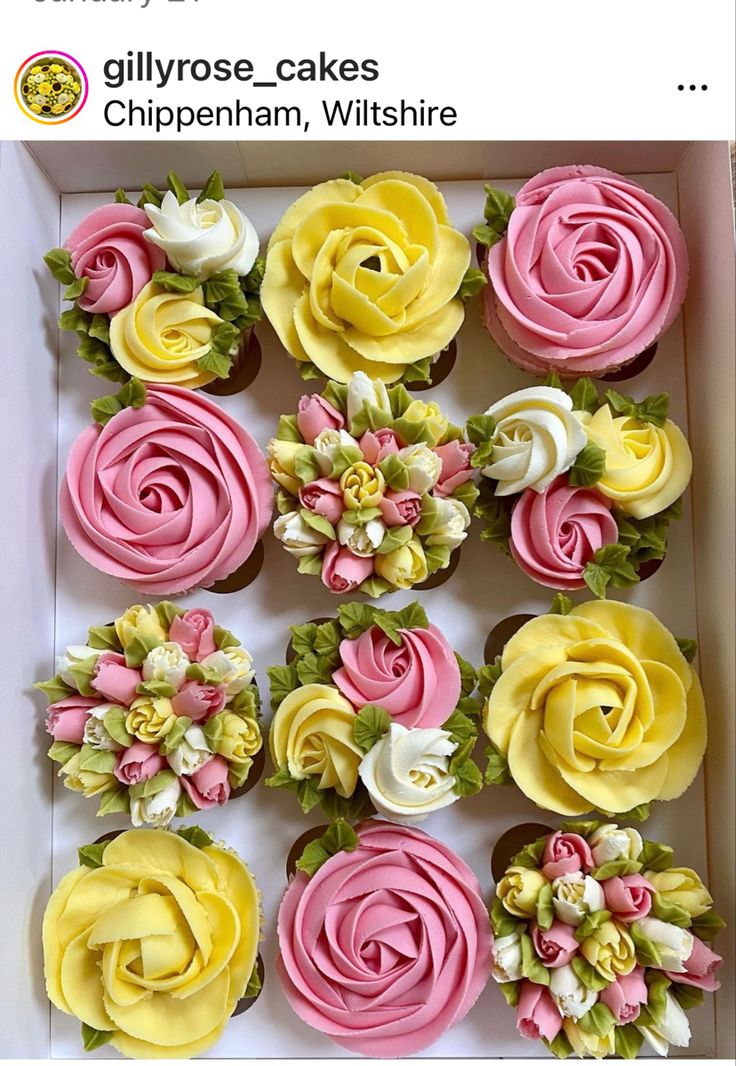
{"points": [[51, 595]]}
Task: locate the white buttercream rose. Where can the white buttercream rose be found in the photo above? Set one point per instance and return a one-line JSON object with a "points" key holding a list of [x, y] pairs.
{"points": [[191, 754], [235, 667], [203, 239], [167, 662], [363, 390], [157, 810], [407, 773], [361, 540], [507, 962], [572, 997], [453, 519], [297, 537], [609, 843], [424, 467], [574, 896]]}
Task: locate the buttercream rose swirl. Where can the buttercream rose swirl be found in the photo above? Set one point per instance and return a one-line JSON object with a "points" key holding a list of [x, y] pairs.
{"points": [[387, 946]]}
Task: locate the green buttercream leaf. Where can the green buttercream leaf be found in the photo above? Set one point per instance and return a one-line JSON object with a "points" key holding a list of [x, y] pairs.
{"points": [[355, 618], [157, 689], [336, 394], [486, 235], [288, 430], [254, 984], [345, 455], [183, 284], [560, 1047], [247, 703], [54, 689], [75, 320], [590, 923], [656, 856], [616, 868], [472, 283], [395, 472], [115, 725], [688, 647], [510, 990], [488, 675], [530, 856], [59, 262], [213, 730], [652, 409], [460, 727], [97, 760], [658, 984], [647, 952], [400, 399], [640, 813], [503, 923], [138, 647], [582, 828], [99, 329], [561, 604], [75, 290], [314, 669], [306, 464], [437, 557], [421, 370], [468, 676], [599, 1020], [589, 467], [178, 187], [545, 910], [308, 794], [154, 785], [498, 208], [327, 640], [628, 1041], [351, 175], [214, 362], [370, 725], [104, 638], [195, 835], [132, 394], [687, 996], [167, 612], [468, 778], [114, 801], [495, 511], [91, 854], [670, 912], [310, 564], [61, 751], [214, 188], [121, 197], [206, 675], [707, 925], [532, 966], [283, 680], [610, 566], [150, 195], [584, 396], [351, 808], [480, 429], [254, 278], [318, 523], [175, 735], [588, 975], [466, 493], [374, 587], [303, 638], [308, 371], [94, 1038], [185, 806], [497, 767], [369, 417], [238, 773]]}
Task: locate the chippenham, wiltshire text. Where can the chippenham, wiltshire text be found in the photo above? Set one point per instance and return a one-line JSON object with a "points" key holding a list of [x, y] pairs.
{"points": [[162, 117]]}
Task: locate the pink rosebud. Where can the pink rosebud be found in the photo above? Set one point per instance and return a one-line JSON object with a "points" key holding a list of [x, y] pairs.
{"points": [[566, 853], [138, 762], [536, 1013], [209, 787], [700, 968], [323, 497], [377, 444], [628, 898], [198, 702], [314, 415], [66, 719], [342, 571], [555, 946], [456, 468], [195, 632], [401, 508], [114, 680], [625, 996]]}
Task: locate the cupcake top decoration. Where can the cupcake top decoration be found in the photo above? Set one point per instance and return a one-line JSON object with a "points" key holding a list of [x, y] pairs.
{"points": [[164, 290], [374, 487], [152, 941], [368, 274], [156, 716], [579, 488], [374, 707], [601, 943], [594, 707], [167, 492], [387, 944], [586, 270]]}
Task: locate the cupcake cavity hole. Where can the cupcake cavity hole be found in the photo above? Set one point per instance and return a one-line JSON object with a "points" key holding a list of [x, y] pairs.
{"points": [[256, 772], [511, 842], [245, 575], [247, 1002], [637, 366], [502, 632]]}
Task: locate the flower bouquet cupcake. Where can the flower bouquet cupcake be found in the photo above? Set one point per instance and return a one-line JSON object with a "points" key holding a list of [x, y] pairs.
{"points": [[594, 707], [586, 269], [166, 492], [152, 941], [368, 274], [156, 716], [580, 488], [600, 942], [164, 290], [374, 487], [374, 707], [384, 940]]}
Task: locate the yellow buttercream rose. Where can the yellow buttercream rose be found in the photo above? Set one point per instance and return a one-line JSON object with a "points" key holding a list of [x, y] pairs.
{"points": [[142, 622], [597, 709], [404, 567], [156, 946], [610, 950], [362, 486], [241, 738], [312, 736], [683, 887], [161, 335], [586, 1044], [281, 462], [647, 467], [519, 890], [150, 719], [429, 415], [365, 277], [88, 782]]}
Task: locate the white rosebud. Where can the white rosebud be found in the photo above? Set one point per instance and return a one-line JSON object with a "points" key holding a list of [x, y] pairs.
{"points": [[673, 1029], [675, 945], [424, 467], [453, 521], [191, 754], [363, 390], [407, 773], [574, 896], [95, 731], [203, 239], [572, 997], [361, 540], [297, 537], [74, 654], [168, 662], [326, 445], [506, 965], [156, 810], [609, 843], [235, 667]]}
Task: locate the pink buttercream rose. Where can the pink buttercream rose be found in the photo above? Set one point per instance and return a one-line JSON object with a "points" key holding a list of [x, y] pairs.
{"points": [[628, 898], [342, 571], [566, 853], [168, 496], [555, 533], [700, 968], [209, 787], [108, 248], [401, 508], [376, 444], [114, 680], [316, 414], [417, 681], [536, 1013], [592, 270], [456, 468], [387, 946], [198, 702], [625, 996], [137, 763], [66, 719], [195, 632], [555, 946], [324, 497]]}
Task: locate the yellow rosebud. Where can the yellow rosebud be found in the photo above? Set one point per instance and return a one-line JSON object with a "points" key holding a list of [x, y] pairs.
{"points": [[405, 566], [88, 782], [150, 719], [682, 886], [35, 70], [610, 950], [362, 486], [282, 456], [241, 738], [312, 736], [139, 621], [584, 1044], [428, 415], [56, 69], [44, 88], [519, 890], [36, 109]]}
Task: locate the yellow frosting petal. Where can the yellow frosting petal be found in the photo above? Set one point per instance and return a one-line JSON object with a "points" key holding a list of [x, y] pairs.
{"points": [[403, 200], [82, 985], [330, 353], [534, 775], [282, 287], [428, 338], [140, 916], [685, 756], [141, 1049], [427, 188], [549, 630], [165, 852], [617, 790], [53, 945], [512, 694], [340, 190], [163, 1020], [239, 887]]}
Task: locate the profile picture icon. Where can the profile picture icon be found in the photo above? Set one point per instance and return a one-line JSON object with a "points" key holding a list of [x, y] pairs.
{"points": [[51, 87]]}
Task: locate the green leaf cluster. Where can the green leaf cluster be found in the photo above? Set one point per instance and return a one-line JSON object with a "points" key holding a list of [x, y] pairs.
{"points": [[371, 724], [473, 281], [132, 394], [497, 212], [610, 565], [339, 837], [495, 511]]}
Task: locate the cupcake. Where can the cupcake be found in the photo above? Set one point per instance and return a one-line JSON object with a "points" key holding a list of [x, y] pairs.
{"points": [[600, 942], [167, 492], [164, 987], [374, 707], [594, 708], [162, 291], [156, 715], [374, 487], [586, 268], [580, 489], [385, 946], [368, 275]]}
